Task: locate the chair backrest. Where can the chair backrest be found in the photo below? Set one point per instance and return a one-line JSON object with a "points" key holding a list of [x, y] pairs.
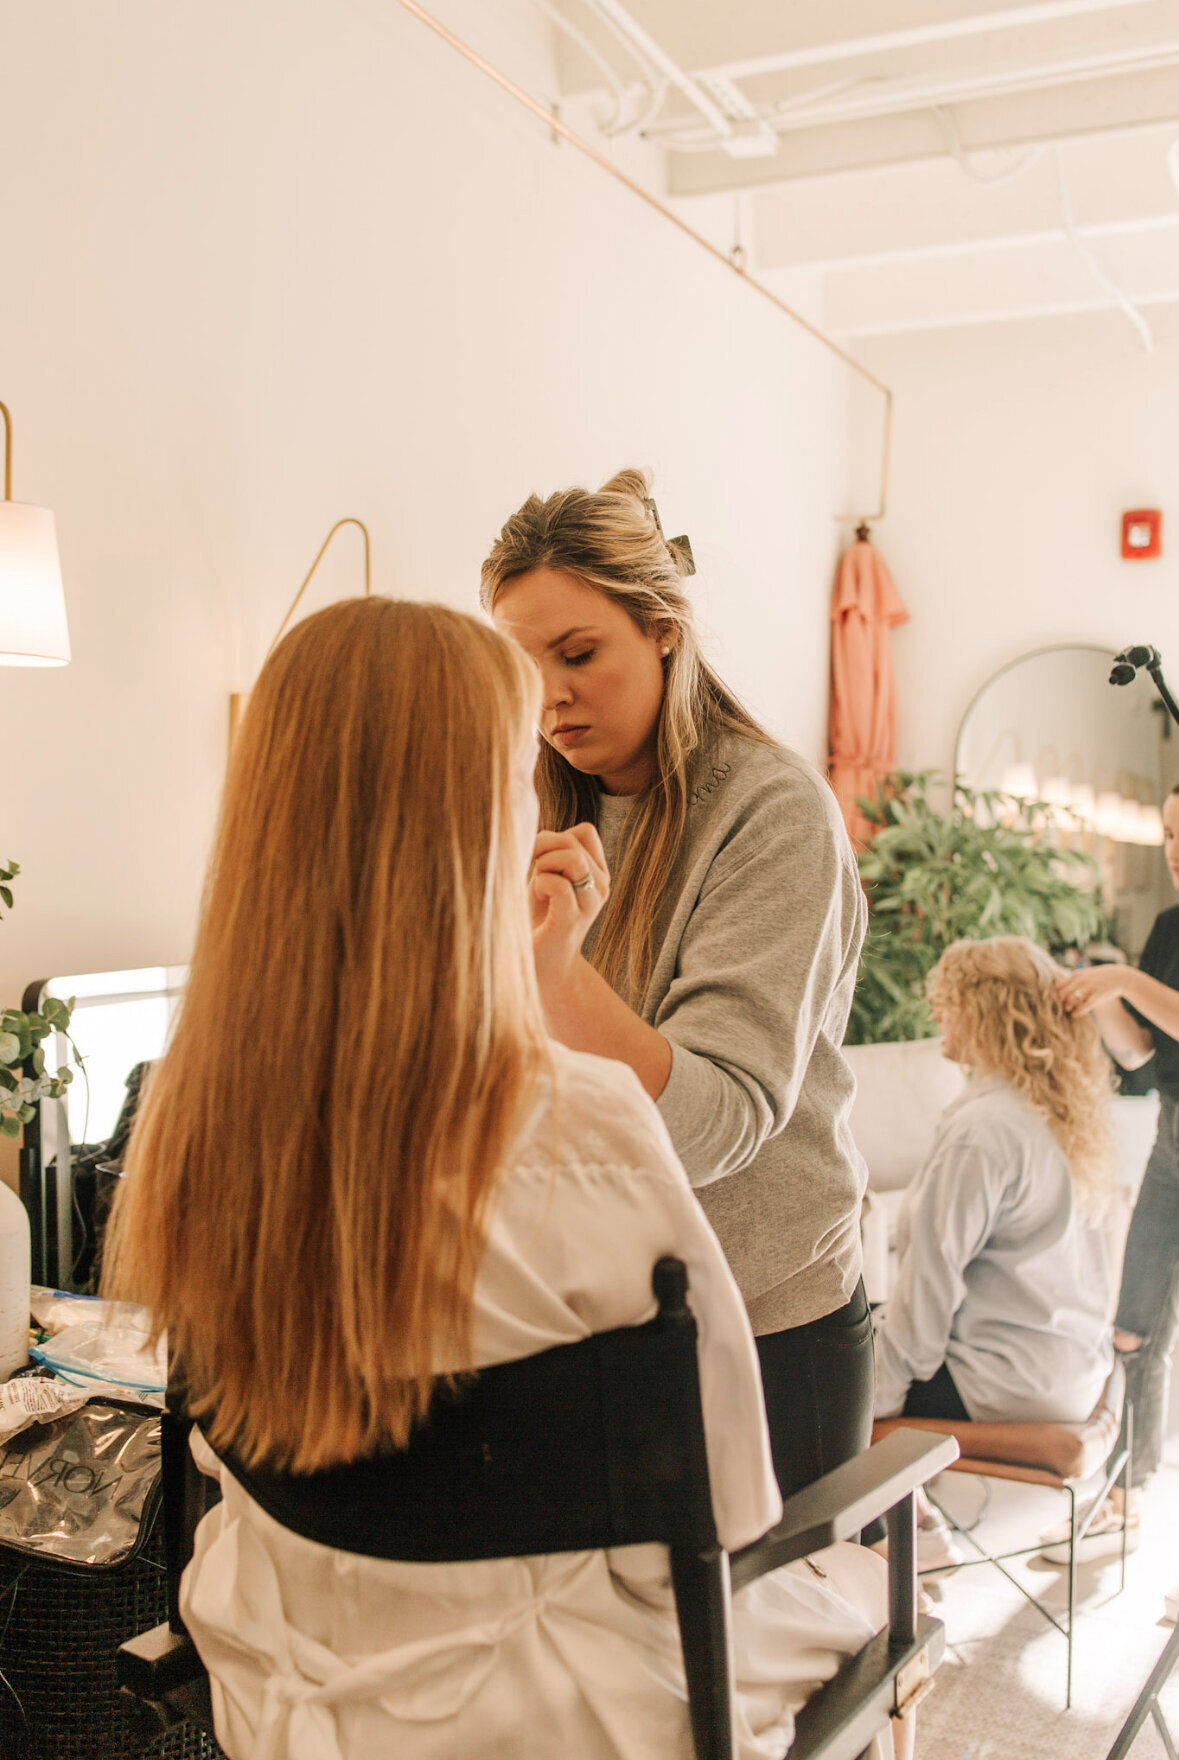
{"points": [[584, 1446]]}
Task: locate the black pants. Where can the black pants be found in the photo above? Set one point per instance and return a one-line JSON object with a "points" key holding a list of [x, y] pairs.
{"points": [[936, 1398], [819, 1382]]}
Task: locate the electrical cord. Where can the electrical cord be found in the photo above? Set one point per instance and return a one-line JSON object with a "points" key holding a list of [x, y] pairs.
{"points": [[1004, 174], [1117, 293]]}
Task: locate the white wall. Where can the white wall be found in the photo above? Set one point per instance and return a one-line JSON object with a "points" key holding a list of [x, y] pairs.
{"points": [[265, 265], [1017, 448]]}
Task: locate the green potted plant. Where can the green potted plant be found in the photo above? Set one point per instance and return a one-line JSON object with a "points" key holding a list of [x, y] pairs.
{"points": [[24, 1080], [981, 864]]}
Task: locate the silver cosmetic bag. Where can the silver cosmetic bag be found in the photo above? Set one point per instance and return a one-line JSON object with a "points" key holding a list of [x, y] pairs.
{"points": [[83, 1489]]}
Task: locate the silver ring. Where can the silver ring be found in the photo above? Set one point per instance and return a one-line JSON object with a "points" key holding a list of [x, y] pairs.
{"points": [[586, 881]]}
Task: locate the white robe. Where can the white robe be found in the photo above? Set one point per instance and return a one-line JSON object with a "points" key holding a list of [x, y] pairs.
{"points": [[316, 1654]]}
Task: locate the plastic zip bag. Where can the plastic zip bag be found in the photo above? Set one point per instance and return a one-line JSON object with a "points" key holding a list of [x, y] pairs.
{"points": [[95, 1352]]}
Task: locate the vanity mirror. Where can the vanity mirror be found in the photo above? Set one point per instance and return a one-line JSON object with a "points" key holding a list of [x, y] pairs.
{"points": [[1050, 727]]}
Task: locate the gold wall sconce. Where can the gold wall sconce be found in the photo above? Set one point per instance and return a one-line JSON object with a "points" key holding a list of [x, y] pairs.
{"points": [[237, 702], [33, 630]]}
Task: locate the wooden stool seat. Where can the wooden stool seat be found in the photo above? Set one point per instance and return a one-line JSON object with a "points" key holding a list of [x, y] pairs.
{"points": [[1057, 1454]]}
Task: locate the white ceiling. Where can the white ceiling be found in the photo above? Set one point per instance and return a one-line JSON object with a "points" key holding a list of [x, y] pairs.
{"points": [[929, 162]]}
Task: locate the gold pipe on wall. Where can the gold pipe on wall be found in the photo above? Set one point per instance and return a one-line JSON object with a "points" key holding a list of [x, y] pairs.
{"points": [[562, 131], [238, 701], [7, 417]]}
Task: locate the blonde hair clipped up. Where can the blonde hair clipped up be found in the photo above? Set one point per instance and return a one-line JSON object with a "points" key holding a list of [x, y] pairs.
{"points": [[612, 540], [1002, 998]]}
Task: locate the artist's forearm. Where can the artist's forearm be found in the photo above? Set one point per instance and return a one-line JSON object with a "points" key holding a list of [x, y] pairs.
{"points": [[1125, 1038], [584, 1013], [1158, 1002]]}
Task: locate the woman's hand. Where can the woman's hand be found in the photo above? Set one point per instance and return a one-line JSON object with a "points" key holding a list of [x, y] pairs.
{"points": [[562, 904], [1089, 988]]}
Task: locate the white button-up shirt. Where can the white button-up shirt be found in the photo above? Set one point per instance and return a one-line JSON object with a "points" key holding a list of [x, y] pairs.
{"points": [[1001, 1276]]}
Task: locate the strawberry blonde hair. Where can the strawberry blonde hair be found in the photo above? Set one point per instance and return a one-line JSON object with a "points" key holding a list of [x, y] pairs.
{"points": [[1001, 995], [309, 1182]]}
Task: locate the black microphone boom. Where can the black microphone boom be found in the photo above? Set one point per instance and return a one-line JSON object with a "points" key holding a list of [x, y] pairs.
{"points": [[1127, 663]]}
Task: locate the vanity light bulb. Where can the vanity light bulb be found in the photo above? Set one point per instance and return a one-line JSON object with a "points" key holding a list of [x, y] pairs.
{"points": [[1129, 830], [1150, 821], [1109, 814], [1020, 780], [1083, 803]]}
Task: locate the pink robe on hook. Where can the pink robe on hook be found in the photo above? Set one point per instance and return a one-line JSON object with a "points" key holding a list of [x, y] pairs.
{"points": [[865, 607]]}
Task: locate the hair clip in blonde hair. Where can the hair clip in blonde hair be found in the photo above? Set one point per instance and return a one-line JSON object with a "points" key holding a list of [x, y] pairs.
{"points": [[681, 554]]}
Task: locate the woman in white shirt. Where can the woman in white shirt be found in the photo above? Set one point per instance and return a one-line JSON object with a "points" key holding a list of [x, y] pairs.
{"points": [[1002, 1302], [363, 1165]]}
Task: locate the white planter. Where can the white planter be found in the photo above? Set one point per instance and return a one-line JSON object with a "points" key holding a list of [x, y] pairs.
{"points": [[15, 1271], [901, 1092]]}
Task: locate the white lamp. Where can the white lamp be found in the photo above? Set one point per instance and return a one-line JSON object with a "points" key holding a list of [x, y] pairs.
{"points": [[33, 628]]}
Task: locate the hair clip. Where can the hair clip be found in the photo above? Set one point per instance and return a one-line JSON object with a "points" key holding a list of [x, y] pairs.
{"points": [[683, 553], [681, 543]]}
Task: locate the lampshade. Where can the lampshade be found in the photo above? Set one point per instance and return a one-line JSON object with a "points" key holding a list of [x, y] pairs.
{"points": [[32, 605], [1109, 813]]}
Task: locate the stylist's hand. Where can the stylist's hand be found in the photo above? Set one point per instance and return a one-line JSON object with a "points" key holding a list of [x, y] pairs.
{"points": [[562, 910], [1093, 985]]}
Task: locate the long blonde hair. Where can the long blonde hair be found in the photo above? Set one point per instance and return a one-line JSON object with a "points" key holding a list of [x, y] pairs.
{"points": [[1002, 998], [611, 541], [309, 1183]]}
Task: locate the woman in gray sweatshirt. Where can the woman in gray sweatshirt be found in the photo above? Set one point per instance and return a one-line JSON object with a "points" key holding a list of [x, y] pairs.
{"points": [[697, 914]]}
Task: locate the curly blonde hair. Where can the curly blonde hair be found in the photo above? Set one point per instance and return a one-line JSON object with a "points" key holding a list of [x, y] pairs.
{"points": [[1002, 998]]}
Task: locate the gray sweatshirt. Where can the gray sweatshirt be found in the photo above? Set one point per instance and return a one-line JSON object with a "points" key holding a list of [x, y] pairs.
{"points": [[756, 956]]}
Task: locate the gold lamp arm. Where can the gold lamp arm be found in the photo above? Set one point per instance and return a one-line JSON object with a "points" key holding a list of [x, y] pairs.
{"points": [[7, 414], [368, 586], [237, 702]]}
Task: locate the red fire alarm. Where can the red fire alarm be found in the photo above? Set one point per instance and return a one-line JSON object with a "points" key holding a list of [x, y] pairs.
{"points": [[1142, 533]]}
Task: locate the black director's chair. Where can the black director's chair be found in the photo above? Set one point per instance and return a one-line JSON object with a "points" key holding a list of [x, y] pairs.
{"points": [[589, 1445]]}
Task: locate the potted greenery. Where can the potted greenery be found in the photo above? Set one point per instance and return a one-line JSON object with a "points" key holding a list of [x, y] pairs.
{"points": [[981, 865], [23, 1077]]}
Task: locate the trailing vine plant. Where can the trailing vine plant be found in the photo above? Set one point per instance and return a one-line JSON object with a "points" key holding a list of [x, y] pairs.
{"points": [[22, 1039]]}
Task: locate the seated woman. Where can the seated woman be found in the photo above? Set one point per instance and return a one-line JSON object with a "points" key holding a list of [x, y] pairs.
{"points": [[1003, 1296], [364, 1165]]}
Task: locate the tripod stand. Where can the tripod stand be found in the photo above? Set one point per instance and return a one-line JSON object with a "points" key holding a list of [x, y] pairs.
{"points": [[1125, 668]]}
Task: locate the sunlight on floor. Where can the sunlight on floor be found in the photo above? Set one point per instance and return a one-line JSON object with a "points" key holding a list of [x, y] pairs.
{"points": [[1000, 1690]]}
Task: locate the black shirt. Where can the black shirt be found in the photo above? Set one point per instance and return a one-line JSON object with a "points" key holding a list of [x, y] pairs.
{"points": [[1160, 959]]}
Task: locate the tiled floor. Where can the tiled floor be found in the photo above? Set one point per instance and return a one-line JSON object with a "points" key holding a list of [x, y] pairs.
{"points": [[1000, 1690]]}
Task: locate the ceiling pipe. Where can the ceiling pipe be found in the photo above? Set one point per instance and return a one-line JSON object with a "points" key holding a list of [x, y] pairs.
{"points": [[556, 126], [948, 30]]}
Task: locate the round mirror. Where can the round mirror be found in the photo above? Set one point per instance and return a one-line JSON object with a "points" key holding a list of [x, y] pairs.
{"points": [[1051, 728]]}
